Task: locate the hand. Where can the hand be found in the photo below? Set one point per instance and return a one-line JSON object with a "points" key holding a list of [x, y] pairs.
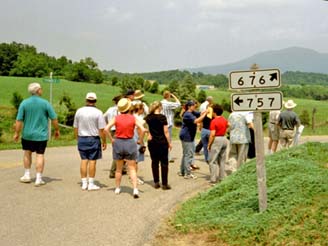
{"points": [[57, 134], [16, 137]]}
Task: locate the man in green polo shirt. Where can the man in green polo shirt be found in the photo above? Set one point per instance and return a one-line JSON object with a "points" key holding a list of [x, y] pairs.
{"points": [[33, 115]]}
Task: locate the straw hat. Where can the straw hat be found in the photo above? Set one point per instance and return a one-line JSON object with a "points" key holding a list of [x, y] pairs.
{"points": [[91, 96], [290, 104], [138, 95], [123, 105]]}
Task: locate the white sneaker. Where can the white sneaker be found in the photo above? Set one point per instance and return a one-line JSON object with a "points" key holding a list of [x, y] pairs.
{"points": [[92, 187], [135, 193], [140, 181], [39, 183], [117, 190], [190, 176], [25, 179], [84, 186]]}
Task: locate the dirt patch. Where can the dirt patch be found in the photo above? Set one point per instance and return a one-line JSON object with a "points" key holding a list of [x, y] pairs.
{"points": [[168, 235]]}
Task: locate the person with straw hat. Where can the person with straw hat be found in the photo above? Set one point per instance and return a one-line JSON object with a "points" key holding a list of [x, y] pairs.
{"points": [[287, 122], [124, 146]]}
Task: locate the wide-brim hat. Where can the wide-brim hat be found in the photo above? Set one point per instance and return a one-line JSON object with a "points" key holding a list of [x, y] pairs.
{"points": [[290, 104], [123, 105], [91, 96], [138, 94]]}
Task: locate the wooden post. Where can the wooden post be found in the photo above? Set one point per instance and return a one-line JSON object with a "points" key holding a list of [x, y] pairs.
{"points": [[260, 161], [313, 119]]}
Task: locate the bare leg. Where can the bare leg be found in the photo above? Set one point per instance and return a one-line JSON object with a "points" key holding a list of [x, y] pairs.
{"points": [[84, 168], [39, 163], [118, 172], [92, 168], [274, 146], [133, 172], [27, 159]]}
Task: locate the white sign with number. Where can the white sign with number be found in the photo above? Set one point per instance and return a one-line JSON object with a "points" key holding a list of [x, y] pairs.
{"points": [[267, 78], [258, 101]]}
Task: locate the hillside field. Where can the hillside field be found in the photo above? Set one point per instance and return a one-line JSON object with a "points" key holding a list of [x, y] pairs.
{"points": [[77, 91]]}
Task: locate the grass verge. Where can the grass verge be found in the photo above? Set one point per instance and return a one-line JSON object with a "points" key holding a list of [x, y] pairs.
{"points": [[227, 214]]}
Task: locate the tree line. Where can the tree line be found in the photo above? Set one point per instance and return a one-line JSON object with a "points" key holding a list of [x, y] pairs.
{"points": [[24, 60]]}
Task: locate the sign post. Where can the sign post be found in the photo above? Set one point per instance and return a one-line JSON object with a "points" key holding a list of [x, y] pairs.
{"points": [[51, 81], [257, 102]]}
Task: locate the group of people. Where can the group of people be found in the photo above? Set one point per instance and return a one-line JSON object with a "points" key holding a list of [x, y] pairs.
{"points": [[284, 127], [130, 123]]}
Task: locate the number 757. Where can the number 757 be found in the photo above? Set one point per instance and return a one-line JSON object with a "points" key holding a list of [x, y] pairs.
{"points": [[259, 102]]}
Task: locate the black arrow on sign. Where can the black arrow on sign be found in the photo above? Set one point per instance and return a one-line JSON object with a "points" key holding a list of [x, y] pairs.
{"points": [[238, 101], [274, 76]]}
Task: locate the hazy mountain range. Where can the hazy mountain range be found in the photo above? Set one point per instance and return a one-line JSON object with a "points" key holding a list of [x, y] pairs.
{"points": [[289, 59]]}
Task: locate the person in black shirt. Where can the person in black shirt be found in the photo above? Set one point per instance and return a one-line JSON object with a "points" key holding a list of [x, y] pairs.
{"points": [[159, 144]]}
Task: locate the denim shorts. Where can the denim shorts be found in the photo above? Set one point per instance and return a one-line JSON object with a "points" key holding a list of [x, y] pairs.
{"points": [[89, 148]]}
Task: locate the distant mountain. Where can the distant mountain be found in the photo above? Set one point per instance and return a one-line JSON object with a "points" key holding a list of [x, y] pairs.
{"points": [[289, 59]]}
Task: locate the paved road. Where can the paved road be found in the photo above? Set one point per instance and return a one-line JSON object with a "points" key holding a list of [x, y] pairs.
{"points": [[59, 213]]}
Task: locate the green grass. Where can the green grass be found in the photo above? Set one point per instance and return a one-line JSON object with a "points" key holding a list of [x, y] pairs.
{"points": [[297, 214]]}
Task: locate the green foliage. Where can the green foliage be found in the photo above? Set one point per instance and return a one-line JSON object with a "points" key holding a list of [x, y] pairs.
{"points": [[316, 92], [305, 118], [154, 87], [68, 118], [16, 100], [187, 88], [297, 188], [9, 54], [301, 78], [85, 70], [166, 77], [201, 96], [24, 61], [114, 81]]}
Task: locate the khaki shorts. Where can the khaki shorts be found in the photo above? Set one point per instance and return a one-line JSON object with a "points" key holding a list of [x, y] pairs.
{"points": [[274, 131], [286, 138]]}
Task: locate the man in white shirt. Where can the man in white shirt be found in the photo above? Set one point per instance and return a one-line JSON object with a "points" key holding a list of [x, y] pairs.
{"points": [[169, 108]]}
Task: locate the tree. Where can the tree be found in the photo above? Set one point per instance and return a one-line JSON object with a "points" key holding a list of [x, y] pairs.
{"points": [[71, 109], [114, 81], [31, 64], [16, 100], [187, 88], [201, 96], [154, 87], [9, 55], [305, 118]]}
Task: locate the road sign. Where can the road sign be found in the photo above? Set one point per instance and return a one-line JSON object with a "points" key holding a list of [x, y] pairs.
{"points": [[49, 80], [253, 79], [258, 101]]}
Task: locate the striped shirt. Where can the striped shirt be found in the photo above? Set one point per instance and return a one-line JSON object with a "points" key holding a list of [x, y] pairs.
{"points": [[168, 110]]}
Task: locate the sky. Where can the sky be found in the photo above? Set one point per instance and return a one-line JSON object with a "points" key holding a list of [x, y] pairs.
{"points": [[156, 35]]}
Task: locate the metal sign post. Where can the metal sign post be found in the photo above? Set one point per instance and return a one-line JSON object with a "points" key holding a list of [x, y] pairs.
{"points": [[50, 80]]}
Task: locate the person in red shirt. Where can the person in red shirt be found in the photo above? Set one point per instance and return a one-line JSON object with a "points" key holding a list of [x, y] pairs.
{"points": [[217, 144], [124, 146]]}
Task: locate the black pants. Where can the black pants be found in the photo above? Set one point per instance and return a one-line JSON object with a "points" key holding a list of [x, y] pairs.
{"points": [[159, 155], [199, 146]]}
